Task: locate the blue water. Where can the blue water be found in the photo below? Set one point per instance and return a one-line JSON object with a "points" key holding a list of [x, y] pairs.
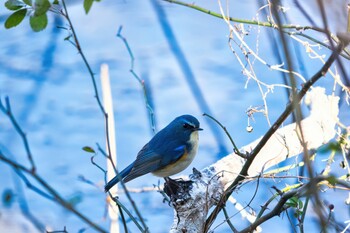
{"points": [[188, 68]]}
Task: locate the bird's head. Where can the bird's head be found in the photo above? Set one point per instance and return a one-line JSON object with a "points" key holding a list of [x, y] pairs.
{"points": [[185, 125]]}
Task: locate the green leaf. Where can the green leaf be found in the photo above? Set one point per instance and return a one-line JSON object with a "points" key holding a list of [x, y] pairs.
{"points": [[13, 5], [332, 146], [87, 5], [298, 213], [28, 2], [41, 7], [293, 202], [15, 19], [56, 2], [88, 149], [300, 204], [38, 23], [332, 180]]}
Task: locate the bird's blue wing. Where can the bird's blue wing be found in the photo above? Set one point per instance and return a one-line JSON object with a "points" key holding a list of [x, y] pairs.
{"points": [[172, 155], [147, 161], [151, 160]]}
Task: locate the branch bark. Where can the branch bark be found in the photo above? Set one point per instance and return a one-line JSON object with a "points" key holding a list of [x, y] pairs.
{"points": [[210, 184], [261, 144]]}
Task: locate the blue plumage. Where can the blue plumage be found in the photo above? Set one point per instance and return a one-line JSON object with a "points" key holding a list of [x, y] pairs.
{"points": [[169, 152]]}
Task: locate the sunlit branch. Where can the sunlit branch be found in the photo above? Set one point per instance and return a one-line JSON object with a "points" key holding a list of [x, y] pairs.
{"points": [[290, 107]]}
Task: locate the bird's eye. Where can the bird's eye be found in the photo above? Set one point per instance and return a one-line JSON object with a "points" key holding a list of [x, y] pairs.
{"points": [[187, 126]]}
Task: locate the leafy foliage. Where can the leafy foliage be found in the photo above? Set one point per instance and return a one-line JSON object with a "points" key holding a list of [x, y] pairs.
{"points": [[16, 18], [41, 7], [88, 4], [38, 19], [38, 23], [329, 147], [88, 149], [14, 5], [38, 9], [297, 204], [28, 2]]}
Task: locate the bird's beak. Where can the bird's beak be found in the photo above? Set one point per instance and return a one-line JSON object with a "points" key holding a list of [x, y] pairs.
{"points": [[198, 129]]}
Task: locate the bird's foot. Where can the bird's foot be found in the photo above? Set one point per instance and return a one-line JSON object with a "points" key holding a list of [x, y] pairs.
{"points": [[177, 189]]}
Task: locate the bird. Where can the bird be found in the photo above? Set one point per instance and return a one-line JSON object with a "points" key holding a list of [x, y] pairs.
{"points": [[169, 152]]}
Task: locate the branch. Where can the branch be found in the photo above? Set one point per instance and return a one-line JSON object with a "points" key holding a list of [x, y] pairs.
{"points": [[213, 186], [302, 191], [80, 51], [56, 197], [289, 109], [7, 110], [277, 210], [209, 185], [297, 28], [76, 43], [245, 21], [146, 96]]}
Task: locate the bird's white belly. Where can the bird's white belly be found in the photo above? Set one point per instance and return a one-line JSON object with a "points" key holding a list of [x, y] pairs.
{"points": [[183, 162]]}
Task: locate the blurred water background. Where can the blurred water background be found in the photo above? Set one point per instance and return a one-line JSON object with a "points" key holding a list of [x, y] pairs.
{"points": [[179, 52]]}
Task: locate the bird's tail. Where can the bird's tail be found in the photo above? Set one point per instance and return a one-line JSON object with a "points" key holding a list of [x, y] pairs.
{"points": [[119, 177]]}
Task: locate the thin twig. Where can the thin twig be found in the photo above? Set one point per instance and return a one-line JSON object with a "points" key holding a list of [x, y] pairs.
{"points": [[142, 228], [33, 187], [290, 107], [235, 148], [77, 45], [52, 191], [260, 23], [268, 202], [348, 23], [8, 112], [187, 72], [227, 218], [279, 208], [121, 206], [245, 21], [123, 219], [301, 223], [141, 82]]}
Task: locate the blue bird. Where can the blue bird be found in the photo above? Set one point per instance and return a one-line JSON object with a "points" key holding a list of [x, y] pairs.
{"points": [[169, 152]]}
